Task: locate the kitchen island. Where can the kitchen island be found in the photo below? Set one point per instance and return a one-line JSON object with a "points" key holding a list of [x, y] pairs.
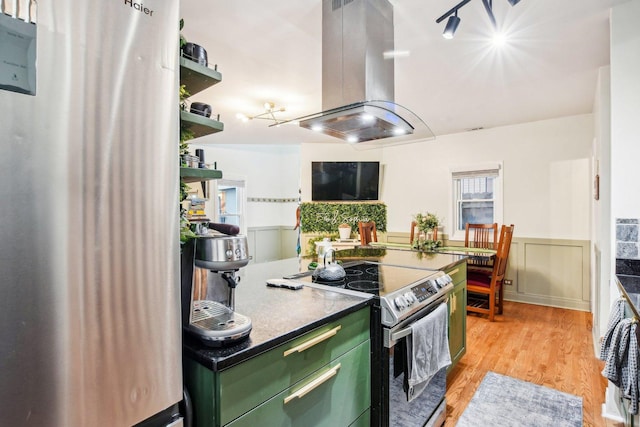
{"points": [[275, 374], [309, 342]]}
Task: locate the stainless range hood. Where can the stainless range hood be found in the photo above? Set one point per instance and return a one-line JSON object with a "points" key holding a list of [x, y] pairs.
{"points": [[358, 81]]}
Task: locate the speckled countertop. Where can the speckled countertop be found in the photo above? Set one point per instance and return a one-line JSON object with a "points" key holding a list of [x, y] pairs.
{"points": [[628, 274], [277, 315]]}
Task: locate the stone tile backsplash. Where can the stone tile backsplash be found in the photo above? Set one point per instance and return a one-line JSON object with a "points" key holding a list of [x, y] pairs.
{"points": [[627, 240]]}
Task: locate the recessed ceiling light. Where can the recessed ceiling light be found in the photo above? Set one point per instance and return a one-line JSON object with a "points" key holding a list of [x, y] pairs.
{"points": [[399, 131], [367, 117], [317, 128]]}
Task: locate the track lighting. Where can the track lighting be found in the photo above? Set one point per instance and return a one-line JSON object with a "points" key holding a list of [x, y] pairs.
{"points": [[454, 21], [452, 26]]}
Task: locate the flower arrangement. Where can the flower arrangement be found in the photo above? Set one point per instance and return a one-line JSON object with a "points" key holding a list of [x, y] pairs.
{"points": [[426, 223]]}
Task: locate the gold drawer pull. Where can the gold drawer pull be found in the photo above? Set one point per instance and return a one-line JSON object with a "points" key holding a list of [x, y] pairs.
{"points": [[451, 273], [308, 344], [313, 384]]}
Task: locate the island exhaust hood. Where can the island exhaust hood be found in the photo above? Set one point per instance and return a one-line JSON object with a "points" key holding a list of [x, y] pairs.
{"points": [[358, 81]]}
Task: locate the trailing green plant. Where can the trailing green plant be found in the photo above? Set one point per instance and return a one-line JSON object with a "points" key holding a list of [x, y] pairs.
{"points": [[183, 41], [326, 217], [186, 134]]}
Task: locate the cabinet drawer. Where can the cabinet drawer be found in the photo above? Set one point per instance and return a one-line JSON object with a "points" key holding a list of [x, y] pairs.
{"points": [[458, 273], [245, 386], [337, 394]]}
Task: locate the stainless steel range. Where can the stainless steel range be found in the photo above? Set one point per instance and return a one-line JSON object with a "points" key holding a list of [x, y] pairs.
{"points": [[403, 296]]}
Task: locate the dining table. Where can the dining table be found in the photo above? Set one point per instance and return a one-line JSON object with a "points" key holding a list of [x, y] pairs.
{"points": [[481, 254]]}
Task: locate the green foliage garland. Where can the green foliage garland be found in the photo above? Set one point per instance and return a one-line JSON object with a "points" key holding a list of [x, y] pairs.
{"points": [[325, 217]]}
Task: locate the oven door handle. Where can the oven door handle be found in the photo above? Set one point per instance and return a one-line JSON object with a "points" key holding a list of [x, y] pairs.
{"points": [[401, 334], [391, 335]]}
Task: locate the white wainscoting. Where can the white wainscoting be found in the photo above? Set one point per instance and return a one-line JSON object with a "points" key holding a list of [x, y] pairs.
{"points": [[271, 243]]}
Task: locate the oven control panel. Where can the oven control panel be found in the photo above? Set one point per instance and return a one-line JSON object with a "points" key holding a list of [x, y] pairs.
{"points": [[404, 302]]}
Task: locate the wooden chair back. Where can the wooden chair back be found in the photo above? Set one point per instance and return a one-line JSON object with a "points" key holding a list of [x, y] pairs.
{"points": [[502, 253], [413, 234], [481, 235], [367, 232]]}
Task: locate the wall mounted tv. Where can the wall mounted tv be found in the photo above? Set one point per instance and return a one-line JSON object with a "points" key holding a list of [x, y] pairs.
{"points": [[339, 181]]}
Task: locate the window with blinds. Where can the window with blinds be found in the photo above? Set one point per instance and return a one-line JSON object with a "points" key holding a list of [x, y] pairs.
{"points": [[475, 194]]}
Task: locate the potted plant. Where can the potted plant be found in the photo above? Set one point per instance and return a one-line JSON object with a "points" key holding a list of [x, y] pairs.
{"points": [[344, 230]]}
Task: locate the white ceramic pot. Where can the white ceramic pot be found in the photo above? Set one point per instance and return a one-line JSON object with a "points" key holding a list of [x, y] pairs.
{"points": [[345, 233]]}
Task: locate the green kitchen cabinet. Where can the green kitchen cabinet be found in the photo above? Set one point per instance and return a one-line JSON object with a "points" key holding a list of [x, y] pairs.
{"points": [[458, 313], [322, 375]]}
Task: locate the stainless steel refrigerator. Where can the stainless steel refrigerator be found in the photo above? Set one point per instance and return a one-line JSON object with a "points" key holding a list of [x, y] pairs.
{"points": [[90, 330]]}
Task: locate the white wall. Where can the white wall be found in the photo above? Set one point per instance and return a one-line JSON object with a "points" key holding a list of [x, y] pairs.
{"points": [[601, 223], [625, 110], [547, 177], [269, 172]]}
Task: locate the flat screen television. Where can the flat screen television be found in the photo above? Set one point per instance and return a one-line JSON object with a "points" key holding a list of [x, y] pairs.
{"points": [[338, 181]]}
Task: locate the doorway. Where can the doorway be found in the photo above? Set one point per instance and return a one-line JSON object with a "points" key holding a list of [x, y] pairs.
{"points": [[230, 202]]}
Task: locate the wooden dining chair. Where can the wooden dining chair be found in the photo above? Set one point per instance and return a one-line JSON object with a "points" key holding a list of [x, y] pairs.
{"points": [[367, 232], [414, 226], [485, 292], [480, 236]]}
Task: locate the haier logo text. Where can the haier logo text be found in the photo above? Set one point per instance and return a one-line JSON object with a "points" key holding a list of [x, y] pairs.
{"points": [[139, 7]]}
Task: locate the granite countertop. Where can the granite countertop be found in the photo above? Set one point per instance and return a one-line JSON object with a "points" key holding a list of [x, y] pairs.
{"points": [[628, 274], [277, 315]]}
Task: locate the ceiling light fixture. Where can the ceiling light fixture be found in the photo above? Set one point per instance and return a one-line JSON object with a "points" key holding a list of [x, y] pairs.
{"points": [[454, 21], [452, 26], [270, 111]]}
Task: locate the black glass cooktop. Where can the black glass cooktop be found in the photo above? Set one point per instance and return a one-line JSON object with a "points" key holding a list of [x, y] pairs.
{"points": [[377, 279]]}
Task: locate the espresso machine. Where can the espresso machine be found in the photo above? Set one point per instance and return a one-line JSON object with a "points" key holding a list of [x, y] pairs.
{"points": [[208, 302]]}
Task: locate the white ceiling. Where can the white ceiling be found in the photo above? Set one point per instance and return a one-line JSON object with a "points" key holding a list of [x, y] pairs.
{"points": [[270, 50]]}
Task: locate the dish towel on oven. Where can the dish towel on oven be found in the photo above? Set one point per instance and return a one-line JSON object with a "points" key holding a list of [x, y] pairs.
{"points": [[621, 367], [427, 350], [617, 314]]}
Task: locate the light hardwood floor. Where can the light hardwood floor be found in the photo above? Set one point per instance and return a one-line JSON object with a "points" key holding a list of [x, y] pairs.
{"points": [[543, 345]]}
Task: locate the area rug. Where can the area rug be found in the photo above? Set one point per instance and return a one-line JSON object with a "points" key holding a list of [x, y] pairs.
{"points": [[509, 402]]}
